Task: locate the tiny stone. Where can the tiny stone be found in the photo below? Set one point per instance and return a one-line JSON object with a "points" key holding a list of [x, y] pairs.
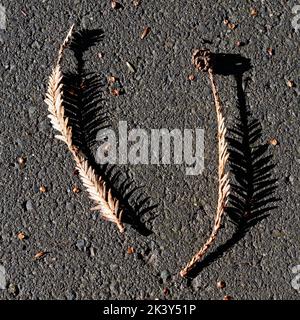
{"points": [[290, 83], [130, 67], [81, 244], [221, 284], [253, 12], [136, 2], [273, 142], [13, 289], [43, 189], [95, 216], [270, 51], [29, 205], [93, 252], [35, 45], [165, 275]]}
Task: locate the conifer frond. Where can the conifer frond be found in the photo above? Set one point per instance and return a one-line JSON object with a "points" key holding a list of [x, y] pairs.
{"points": [[203, 60], [94, 185]]}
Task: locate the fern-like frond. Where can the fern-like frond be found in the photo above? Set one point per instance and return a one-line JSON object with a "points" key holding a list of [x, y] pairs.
{"points": [[95, 186], [203, 61]]}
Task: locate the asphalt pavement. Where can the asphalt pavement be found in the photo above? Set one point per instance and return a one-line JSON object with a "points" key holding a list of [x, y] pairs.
{"points": [[80, 256]]}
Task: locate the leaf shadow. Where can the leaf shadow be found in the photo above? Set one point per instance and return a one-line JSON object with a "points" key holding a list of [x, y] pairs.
{"points": [[83, 99]]}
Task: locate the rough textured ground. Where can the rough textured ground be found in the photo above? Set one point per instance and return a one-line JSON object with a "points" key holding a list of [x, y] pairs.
{"points": [[87, 258]]}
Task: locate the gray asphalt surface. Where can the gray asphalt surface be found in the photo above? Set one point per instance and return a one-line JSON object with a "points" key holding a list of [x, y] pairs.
{"points": [[87, 257]]}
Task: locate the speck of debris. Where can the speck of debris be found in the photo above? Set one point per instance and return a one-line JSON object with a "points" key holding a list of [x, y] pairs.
{"points": [[136, 3], [29, 205], [291, 84], [111, 79], [191, 77], [221, 284], [130, 67], [240, 43], [93, 252], [39, 255], [166, 291], [231, 26], [81, 244], [227, 298], [115, 92], [270, 51], [115, 4], [253, 12], [165, 275], [75, 189], [43, 189], [145, 32], [273, 142], [13, 289], [130, 250], [21, 162], [21, 236]]}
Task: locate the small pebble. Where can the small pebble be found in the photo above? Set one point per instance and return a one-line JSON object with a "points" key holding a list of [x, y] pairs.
{"points": [[13, 289], [191, 77], [221, 284], [136, 3], [270, 51], [93, 252], [111, 79], [114, 4], [21, 236], [231, 26], [29, 205], [130, 250], [21, 162], [81, 244], [253, 12], [273, 142], [75, 189], [130, 67], [290, 83], [166, 291], [43, 189], [165, 275]]}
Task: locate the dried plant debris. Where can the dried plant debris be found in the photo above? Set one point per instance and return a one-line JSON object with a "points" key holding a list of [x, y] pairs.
{"points": [[21, 236], [106, 204], [203, 60], [145, 32]]}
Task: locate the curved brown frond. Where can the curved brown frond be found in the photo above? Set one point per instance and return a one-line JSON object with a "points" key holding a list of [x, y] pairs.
{"points": [[95, 186], [203, 60]]}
